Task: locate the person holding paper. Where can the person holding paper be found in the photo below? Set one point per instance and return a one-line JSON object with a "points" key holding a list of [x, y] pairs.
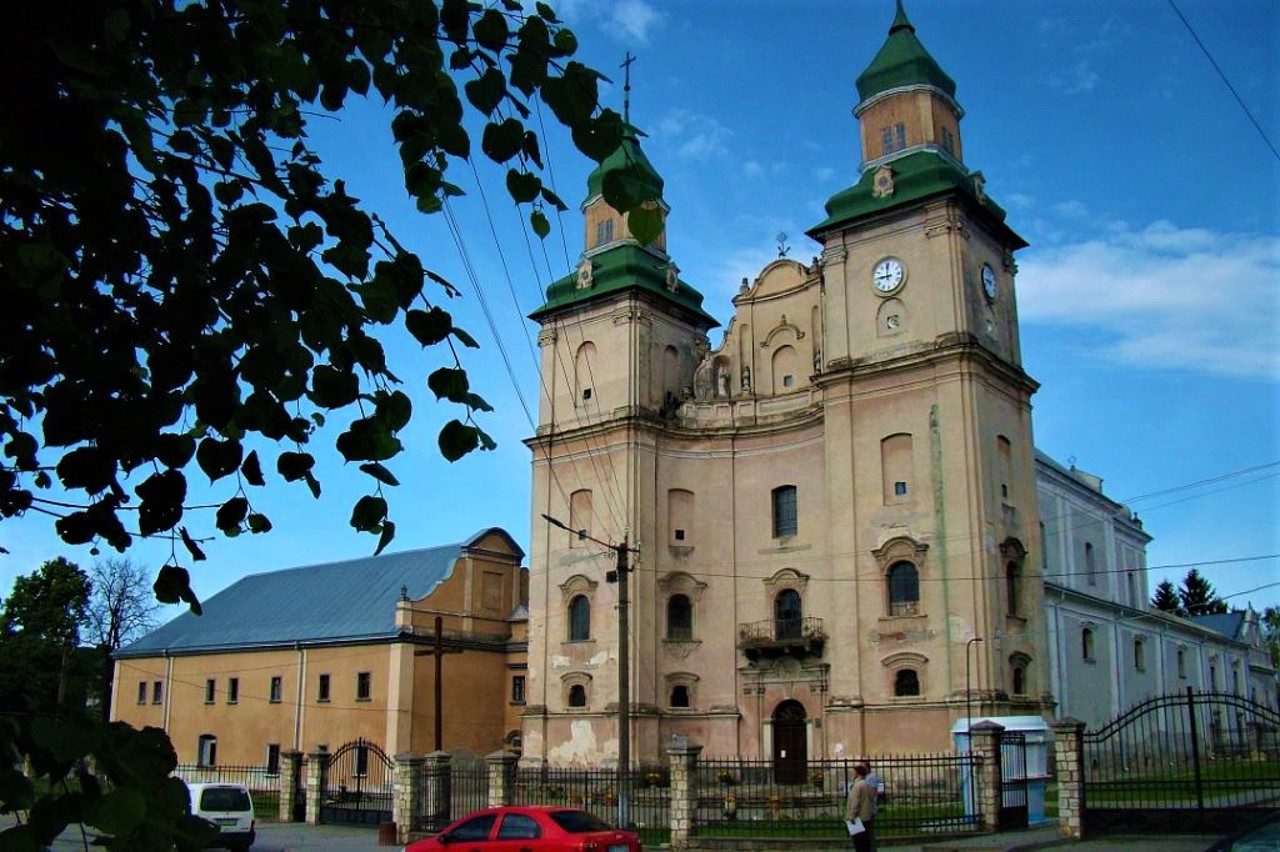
{"points": [[861, 809]]}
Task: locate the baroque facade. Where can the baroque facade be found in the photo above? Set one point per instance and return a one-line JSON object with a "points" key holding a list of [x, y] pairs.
{"points": [[830, 506]]}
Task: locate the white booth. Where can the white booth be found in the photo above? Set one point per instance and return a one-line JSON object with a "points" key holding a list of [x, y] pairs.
{"points": [[1034, 770]]}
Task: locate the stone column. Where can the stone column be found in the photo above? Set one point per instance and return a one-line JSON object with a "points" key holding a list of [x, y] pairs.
{"points": [[985, 743], [1068, 763], [406, 793], [290, 781], [502, 778], [683, 756], [317, 763]]}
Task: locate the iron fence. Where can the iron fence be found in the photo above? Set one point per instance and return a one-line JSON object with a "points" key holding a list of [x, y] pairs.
{"points": [[263, 783], [923, 794], [447, 793], [1191, 760]]}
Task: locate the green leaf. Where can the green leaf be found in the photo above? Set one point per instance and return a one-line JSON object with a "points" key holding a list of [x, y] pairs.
{"points": [[380, 473], [258, 523], [171, 583], [501, 141], [464, 338], [486, 91], [89, 468], [368, 514], [393, 409], [116, 26], [449, 383], [645, 223], [294, 466], [218, 458], [522, 185], [192, 547], [540, 225], [490, 29], [313, 484], [67, 739], [252, 470], [429, 327], [175, 450], [333, 388], [120, 811], [388, 533], [457, 439], [162, 495], [566, 43], [231, 515]]}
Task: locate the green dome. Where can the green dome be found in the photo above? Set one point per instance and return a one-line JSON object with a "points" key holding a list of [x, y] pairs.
{"points": [[903, 61], [628, 153]]}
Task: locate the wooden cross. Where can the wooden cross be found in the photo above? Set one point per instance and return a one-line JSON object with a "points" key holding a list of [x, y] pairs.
{"points": [[626, 87], [438, 651]]}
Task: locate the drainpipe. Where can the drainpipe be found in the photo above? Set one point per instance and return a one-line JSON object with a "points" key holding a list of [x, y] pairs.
{"points": [[297, 706], [168, 689]]}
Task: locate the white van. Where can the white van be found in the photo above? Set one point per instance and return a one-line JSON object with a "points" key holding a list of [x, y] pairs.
{"points": [[230, 808]]}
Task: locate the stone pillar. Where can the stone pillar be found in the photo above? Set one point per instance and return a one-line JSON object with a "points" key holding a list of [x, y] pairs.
{"points": [[290, 780], [683, 756], [317, 763], [502, 778], [985, 743], [436, 798], [1068, 763], [406, 793]]}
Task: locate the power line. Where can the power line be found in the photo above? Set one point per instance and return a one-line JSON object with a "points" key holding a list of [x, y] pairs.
{"points": [[1203, 49]]}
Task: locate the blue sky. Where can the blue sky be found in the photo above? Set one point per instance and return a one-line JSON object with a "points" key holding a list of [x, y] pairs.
{"points": [[1148, 298]]}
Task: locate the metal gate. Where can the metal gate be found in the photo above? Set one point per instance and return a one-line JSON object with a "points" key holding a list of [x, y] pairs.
{"points": [[1013, 779], [1183, 763], [356, 785]]}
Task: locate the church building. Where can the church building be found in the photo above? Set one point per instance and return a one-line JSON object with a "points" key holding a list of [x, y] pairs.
{"points": [[829, 509]]}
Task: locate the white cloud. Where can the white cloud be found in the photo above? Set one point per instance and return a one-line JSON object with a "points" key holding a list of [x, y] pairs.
{"points": [[1164, 296], [626, 21], [753, 169], [822, 174], [1019, 201], [694, 136], [1071, 209]]}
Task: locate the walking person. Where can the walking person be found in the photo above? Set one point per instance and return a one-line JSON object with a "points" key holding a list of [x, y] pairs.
{"points": [[861, 807]]}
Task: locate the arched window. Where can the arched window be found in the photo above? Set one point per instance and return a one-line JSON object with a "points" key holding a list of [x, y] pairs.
{"points": [[679, 617], [897, 468], [680, 695], [579, 619], [580, 517], [787, 614], [904, 589], [1013, 586], [1090, 563], [785, 519], [1019, 680], [1182, 663], [1139, 655], [1004, 452], [906, 682], [577, 695], [582, 374], [785, 367], [1086, 643], [604, 232]]}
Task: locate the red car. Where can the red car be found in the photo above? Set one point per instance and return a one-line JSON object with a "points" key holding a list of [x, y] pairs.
{"points": [[530, 828]]}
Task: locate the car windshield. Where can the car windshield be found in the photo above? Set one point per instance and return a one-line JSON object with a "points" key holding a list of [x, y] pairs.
{"points": [[224, 799], [579, 822]]}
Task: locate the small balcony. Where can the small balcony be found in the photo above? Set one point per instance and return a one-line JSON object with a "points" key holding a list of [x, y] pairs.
{"points": [[778, 637]]}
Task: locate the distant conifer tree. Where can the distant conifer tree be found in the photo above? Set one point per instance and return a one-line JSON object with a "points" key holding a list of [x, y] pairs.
{"points": [[1166, 599], [1199, 597]]}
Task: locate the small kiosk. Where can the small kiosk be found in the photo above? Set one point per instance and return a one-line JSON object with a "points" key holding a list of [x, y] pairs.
{"points": [[1033, 770]]}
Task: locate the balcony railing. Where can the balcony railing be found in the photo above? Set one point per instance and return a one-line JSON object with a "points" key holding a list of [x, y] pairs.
{"points": [[778, 636]]}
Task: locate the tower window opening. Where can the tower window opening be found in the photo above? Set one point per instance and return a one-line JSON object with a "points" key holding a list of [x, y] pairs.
{"points": [[900, 488], [948, 142], [604, 231], [893, 138]]}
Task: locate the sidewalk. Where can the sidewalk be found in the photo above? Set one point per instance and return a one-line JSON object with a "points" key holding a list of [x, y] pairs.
{"points": [[1048, 838]]}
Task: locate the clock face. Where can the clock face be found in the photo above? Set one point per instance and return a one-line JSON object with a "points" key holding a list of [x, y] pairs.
{"points": [[988, 281], [888, 275]]}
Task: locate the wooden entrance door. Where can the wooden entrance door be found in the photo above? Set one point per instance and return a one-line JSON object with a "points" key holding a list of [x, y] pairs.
{"points": [[790, 743]]}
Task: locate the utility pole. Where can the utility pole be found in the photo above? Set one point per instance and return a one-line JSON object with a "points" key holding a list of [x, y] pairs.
{"points": [[618, 575]]}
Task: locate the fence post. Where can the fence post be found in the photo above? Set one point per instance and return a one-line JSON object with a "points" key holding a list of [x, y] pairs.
{"points": [[502, 778], [985, 743], [1068, 766], [684, 789], [289, 780], [437, 797], [406, 792], [317, 762]]}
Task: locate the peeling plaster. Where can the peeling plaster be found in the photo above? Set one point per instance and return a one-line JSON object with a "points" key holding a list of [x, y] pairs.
{"points": [[559, 662], [580, 748], [600, 659]]}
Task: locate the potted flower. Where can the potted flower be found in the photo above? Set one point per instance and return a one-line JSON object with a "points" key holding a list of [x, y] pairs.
{"points": [[730, 806], [726, 777]]}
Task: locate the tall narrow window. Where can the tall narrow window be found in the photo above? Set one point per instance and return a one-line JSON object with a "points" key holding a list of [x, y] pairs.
{"points": [[785, 522], [579, 619], [233, 690], [517, 689], [897, 468], [1086, 643], [948, 142], [157, 692], [580, 519], [906, 682], [1013, 586], [1090, 563], [1182, 663], [604, 232], [210, 690], [142, 692], [680, 517], [207, 750], [1019, 680], [1139, 655], [904, 589], [786, 365], [1044, 550], [680, 695], [273, 758], [277, 689], [362, 759], [364, 686], [679, 617], [582, 372], [788, 615], [322, 693], [1004, 453]]}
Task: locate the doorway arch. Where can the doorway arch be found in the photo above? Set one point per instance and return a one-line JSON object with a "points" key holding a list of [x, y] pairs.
{"points": [[790, 743]]}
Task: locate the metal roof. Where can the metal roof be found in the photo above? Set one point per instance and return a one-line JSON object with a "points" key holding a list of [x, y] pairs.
{"points": [[336, 601], [1227, 624]]}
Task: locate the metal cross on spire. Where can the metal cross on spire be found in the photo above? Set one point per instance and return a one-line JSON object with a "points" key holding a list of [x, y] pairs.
{"points": [[626, 86]]}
